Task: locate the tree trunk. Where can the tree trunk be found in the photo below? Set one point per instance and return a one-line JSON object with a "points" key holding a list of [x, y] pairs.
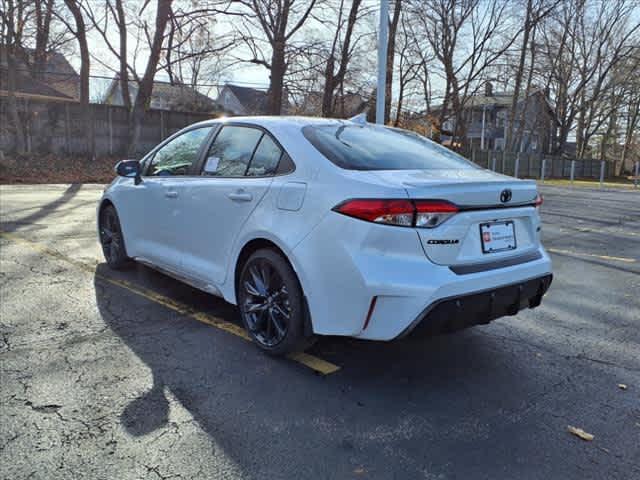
{"points": [[509, 141], [43, 23], [329, 87], [81, 36], [516, 144], [391, 47], [124, 76], [20, 138], [141, 104], [333, 80], [633, 117], [276, 85]]}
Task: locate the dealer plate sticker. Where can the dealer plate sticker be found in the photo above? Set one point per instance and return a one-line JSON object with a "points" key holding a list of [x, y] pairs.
{"points": [[497, 236]]}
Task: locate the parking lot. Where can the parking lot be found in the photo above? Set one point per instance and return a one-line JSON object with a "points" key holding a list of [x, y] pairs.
{"points": [[134, 375]]}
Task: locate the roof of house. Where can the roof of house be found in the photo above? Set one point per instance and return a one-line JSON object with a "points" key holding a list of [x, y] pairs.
{"points": [[56, 72], [165, 96], [498, 99], [353, 104], [501, 99], [250, 98], [28, 87]]}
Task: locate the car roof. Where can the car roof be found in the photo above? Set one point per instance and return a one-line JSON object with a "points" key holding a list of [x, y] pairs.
{"points": [[279, 121]]}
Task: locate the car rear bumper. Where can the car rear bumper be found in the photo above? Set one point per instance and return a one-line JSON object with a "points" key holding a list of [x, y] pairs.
{"points": [[374, 281], [463, 311]]}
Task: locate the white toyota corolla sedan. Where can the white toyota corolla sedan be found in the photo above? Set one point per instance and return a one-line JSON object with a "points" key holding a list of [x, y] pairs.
{"points": [[329, 227]]}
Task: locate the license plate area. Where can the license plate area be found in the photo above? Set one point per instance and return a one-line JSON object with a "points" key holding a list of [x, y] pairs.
{"points": [[498, 236]]}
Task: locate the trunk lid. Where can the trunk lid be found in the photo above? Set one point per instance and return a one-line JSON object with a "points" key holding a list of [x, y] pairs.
{"points": [[480, 195]]}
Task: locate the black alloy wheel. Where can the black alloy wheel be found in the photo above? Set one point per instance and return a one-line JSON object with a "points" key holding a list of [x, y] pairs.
{"points": [[111, 239], [271, 303]]}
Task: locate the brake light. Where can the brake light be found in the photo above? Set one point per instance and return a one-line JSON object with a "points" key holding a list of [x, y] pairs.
{"points": [[406, 213], [538, 201], [392, 212]]}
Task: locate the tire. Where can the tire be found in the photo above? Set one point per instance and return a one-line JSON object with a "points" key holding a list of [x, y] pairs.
{"points": [[271, 303], [112, 240]]}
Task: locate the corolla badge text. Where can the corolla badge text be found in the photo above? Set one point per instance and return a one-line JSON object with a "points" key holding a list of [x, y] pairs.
{"points": [[443, 242]]}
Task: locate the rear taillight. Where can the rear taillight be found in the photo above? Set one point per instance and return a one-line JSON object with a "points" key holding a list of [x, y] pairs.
{"points": [[406, 213], [431, 213], [391, 212], [538, 201]]}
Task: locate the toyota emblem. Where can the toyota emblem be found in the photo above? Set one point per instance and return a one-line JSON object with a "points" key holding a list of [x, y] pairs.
{"points": [[505, 195]]}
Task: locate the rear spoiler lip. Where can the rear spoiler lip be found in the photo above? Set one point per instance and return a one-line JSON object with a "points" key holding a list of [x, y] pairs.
{"points": [[500, 206]]}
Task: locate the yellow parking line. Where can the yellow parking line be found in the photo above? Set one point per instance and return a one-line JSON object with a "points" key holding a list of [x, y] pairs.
{"points": [[314, 363], [582, 254]]}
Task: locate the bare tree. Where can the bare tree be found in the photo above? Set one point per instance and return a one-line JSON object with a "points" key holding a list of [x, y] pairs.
{"points": [[192, 48], [410, 66], [29, 33], [582, 45], [14, 19], [340, 46], [43, 16], [279, 21], [143, 99], [535, 12], [121, 23], [80, 32], [467, 37]]}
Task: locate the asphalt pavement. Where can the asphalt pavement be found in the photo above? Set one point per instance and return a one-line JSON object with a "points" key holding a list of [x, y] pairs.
{"points": [[134, 375]]}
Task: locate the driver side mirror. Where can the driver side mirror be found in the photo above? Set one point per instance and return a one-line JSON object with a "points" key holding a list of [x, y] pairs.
{"points": [[129, 168]]}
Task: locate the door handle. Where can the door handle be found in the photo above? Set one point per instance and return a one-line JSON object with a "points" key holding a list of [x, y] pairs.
{"points": [[171, 194], [240, 196]]}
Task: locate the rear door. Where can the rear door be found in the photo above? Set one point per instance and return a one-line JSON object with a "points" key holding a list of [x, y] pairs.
{"points": [[237, 171]]}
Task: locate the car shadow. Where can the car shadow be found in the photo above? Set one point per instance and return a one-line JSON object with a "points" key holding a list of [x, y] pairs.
{"points": [[447, 400]]}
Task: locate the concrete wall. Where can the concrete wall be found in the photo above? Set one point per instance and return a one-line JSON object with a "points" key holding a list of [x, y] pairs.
{"points": [[60, 127]]}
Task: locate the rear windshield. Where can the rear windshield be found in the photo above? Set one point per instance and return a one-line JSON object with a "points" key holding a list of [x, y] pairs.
{"points": [[370, 147]]}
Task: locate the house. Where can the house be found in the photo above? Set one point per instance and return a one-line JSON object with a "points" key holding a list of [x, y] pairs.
{"points": [[487, 118], [31, 89], [243, 100], [56, 79], [164, 96]]}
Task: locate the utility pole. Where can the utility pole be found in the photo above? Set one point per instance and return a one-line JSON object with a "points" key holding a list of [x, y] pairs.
{"points": [[484, 111], [383, 34]]}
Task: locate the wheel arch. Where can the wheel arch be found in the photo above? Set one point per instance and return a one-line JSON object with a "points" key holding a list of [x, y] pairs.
{"points": [[259, 243], [105, 202]]}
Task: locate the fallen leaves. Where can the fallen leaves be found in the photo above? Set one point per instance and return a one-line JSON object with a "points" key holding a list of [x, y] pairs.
{"points": [[578, 432], [51, 168]]}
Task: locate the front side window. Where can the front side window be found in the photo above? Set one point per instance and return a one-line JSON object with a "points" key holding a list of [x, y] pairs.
{"points": [[177, 156], [231, 152], [368, 147]]}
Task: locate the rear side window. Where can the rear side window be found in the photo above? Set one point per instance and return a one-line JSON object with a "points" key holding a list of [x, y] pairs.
{"points": [[369, 147], [231, 151], [265, 159]]}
